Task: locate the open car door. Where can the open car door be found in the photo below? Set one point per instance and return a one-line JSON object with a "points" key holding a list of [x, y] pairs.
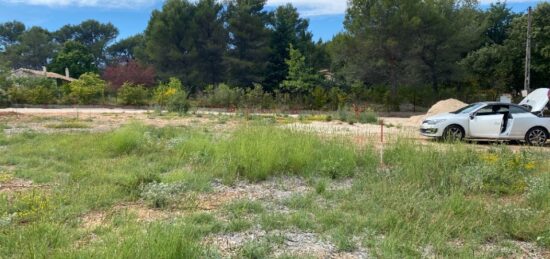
{"points": [[486, 123], [486, 126]]}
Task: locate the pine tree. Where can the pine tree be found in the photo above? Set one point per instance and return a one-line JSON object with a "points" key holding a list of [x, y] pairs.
{"points": [[288, 28], [249, 50], [300, 79]]}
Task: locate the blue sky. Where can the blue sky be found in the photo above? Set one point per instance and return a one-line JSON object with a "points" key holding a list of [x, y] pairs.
{"points": [[131, 16]]}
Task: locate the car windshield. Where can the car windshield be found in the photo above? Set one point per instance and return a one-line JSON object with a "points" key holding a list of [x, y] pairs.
{"points": [[468, 109]]}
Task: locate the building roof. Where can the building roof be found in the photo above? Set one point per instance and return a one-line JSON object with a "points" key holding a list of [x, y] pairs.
{"points": [[38, 73]]}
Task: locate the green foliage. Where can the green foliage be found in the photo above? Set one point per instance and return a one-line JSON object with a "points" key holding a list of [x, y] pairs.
{"points": [[130, 94], [288, 29], [223, 96], [301, 79], [196, 57], [172, 97], [31, 48], [257, 98], [127, 49], [10, 33], [248, 58], [32, 90], [88, 89], [93, 35], [76, 57]]}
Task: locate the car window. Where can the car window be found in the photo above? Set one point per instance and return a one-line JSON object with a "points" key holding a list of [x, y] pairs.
{"points": [[468, 109], [517, 110], [493, 109], [487, 110]]}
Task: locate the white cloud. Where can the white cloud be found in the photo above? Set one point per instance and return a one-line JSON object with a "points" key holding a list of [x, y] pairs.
{"points": [[314, 7], [306, 7], [87, 3]]}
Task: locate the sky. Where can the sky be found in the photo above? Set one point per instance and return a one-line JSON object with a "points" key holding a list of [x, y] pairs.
{"points": [[131, 16]]}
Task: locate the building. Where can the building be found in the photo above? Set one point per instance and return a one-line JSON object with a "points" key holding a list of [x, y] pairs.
{"points": [[25, 72]]}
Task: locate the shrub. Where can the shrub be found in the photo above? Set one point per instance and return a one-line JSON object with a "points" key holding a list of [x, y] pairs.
{"points": [[88, 89], [368, 116], [4, 98], [178, 102], [131, 94], [257, 98], [31, 90], [223, 96], [172, 97]]}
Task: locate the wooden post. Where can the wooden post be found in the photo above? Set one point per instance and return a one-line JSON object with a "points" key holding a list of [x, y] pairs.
{"points": [[527, 84], [381, 131]]}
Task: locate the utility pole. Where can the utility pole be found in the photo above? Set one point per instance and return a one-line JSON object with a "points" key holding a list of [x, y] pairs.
{"points": [[527, 86]]}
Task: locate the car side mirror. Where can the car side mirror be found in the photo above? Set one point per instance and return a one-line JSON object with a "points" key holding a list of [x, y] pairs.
{"points": [[472, 116]]}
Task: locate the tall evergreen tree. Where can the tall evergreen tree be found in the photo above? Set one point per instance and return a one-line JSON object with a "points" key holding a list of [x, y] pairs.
{"points": [[169, 41], [94, 35], [382, 32], [210, 42], [249, 50], [9, 33], [448, 30], [33, 49], [126, 49], [288, 29]]}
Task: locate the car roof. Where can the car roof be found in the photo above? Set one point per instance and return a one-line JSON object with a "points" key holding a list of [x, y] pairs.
{"points": [[499, 103]]}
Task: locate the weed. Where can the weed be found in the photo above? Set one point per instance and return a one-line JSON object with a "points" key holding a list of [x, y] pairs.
{"points": [[160, 195]]}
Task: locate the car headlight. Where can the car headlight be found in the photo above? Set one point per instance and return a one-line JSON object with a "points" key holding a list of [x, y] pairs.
{"points": [[434, 122]]}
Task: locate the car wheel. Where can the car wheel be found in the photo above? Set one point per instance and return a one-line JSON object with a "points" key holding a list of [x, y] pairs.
{"points": [[453, 133], [536, 136]]}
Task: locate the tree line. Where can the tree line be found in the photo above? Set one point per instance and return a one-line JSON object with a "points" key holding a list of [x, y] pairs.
{"points": [[391, 51]]}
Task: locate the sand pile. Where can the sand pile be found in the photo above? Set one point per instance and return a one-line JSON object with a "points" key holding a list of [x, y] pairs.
{"points": [[444, 106]]}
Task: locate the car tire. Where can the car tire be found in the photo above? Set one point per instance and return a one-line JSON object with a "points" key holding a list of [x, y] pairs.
{"points": [[453, 133], [537, 136]]}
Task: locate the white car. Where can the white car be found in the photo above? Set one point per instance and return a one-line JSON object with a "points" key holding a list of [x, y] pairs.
{"points": [[495, 120]]}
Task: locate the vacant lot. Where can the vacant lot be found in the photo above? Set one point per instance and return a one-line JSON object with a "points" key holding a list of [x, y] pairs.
{"points": [[141, 185]]}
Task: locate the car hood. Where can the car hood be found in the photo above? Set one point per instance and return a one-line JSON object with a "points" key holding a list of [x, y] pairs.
{"points": [[537, 100]]}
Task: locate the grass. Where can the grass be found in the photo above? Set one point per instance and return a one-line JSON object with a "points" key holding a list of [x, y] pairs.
{"points": [[418, 200], [70, 124]]}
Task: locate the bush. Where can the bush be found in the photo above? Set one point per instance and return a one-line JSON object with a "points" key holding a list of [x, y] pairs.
{"points": [[172, 97], [223, 96], [131, 94], [257, 98], [88, 89], [178, 102], [4, 98], [31, 90], [368, 116]]}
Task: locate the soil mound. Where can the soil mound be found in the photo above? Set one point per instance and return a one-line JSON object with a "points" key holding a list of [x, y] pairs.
{"points": [[444, 106]]}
